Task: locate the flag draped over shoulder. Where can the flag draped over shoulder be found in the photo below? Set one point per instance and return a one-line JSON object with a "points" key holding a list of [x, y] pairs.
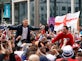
{"points": [[69, 19]]}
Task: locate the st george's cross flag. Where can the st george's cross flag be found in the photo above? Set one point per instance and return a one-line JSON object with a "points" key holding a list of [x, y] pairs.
{"points": [[70, 20]]}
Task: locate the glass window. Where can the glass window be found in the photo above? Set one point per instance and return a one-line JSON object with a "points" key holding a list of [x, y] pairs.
{"points": [[50, 14], [69, 9], [63, 14], [20, 12], [43, 11], [42, 8], [56, 8], [76, 9], [45, 15], [32, 0], [43, 1], [63, 8], [32, 8]]}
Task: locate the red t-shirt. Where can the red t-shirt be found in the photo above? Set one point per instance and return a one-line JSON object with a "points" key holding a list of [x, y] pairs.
{"points": [[69, 37]]}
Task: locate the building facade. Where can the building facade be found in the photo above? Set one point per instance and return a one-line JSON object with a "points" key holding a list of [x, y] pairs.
{"points": [[64, 6], [57, 8]]}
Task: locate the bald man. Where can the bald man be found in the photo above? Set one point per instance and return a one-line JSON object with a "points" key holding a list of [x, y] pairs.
{"points": [[23, 31], [34, 57]]}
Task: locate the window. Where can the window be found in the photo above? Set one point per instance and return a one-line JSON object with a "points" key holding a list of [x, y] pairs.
{"points": [[63, 14], [69, 9], [20, 12], [32, 15], [76, 9], [42, 8], [45, 15], [42, 18], [51, 15], [56, 8], [63, 8], [52, 1], [32, 8], [43, 1], [41, 14], [32, 0]]}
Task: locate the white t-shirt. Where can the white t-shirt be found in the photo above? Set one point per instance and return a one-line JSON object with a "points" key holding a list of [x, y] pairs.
{"points": [[19, 53], [51, 57], [24, 33]]}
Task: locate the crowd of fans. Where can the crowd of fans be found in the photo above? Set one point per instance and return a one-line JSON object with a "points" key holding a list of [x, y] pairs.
{"points": [[41, 47]]}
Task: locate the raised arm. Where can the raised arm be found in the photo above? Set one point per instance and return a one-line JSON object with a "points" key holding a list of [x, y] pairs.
{"points": [[58, 37], [34, 28], [13, 27]]}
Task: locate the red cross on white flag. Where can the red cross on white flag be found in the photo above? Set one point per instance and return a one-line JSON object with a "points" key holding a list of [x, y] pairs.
{"points": [[69, 19]]}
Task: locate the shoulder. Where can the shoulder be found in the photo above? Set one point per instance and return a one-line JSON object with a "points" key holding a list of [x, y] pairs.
{"points": [[70, 34], [61, 33], [19, 25]]}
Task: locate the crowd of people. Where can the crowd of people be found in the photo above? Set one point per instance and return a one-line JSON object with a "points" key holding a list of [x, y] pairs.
{"points": [[28, 43]]}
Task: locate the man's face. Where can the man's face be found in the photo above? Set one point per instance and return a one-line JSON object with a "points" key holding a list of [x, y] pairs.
{"points": [[25, 23], [64, 30]]}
